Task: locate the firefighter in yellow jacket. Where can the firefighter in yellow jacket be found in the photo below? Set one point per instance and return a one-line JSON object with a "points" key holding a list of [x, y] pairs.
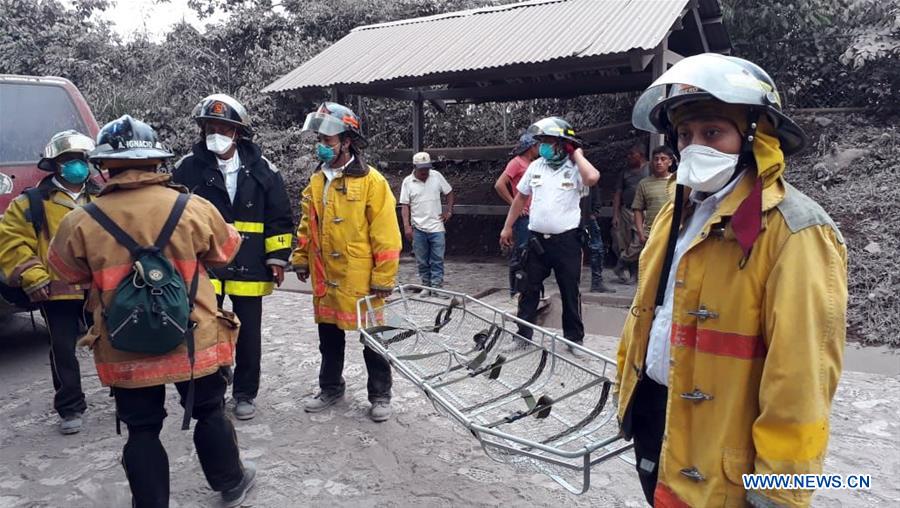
{"points": [[349, 244], [732, 351], [28, 226]]}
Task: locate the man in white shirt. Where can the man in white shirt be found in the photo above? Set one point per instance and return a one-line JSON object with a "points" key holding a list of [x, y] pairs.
{"points": [[424, 218], [555, 182]]}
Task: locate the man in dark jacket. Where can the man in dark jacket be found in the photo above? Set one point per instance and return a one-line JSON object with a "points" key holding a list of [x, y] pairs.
{"points": [[229, 170]]}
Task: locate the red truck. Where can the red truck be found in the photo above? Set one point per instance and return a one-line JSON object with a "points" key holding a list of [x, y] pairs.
{"points": [[32, 109]]}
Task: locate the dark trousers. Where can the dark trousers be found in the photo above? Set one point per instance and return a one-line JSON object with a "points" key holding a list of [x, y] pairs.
{"points": [[64, 321], [331, 345], [648, 424], [520, 241], [562, 254], [597, 251], [248, 350], [144, 458]]}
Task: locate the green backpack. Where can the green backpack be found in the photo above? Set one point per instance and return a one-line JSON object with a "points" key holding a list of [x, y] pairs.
{"points": [[150, 311]]}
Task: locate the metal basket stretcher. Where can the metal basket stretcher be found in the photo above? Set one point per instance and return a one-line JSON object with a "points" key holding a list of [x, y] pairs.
{"points": [[529, 403]]}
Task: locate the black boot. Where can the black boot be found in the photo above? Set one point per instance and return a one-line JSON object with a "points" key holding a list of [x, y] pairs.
{"points": [[597, 286]]}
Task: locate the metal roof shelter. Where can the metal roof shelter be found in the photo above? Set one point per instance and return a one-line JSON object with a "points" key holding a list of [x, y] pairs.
{"points": [[528, 50]]}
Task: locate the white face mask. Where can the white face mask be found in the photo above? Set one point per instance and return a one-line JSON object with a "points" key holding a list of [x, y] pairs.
{"points": [[218, 144], [705, 169]]}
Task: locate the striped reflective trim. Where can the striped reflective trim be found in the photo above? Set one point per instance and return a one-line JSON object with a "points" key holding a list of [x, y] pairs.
{"points": [[249, 227], [69, 273], [663, 497], [387, 255], [217, 286], [735, 345], [278, 242], [347, 319], [155, 368], [245, 288]]}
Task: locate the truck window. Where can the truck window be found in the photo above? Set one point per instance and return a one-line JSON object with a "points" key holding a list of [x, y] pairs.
{"points": [[29, 115]]}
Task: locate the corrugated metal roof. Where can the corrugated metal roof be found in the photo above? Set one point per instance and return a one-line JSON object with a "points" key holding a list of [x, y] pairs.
{"points": [[523, 33]]}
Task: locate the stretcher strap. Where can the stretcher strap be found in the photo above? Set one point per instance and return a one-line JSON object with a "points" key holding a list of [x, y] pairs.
{"points": [[601, 403], [537, 373]]}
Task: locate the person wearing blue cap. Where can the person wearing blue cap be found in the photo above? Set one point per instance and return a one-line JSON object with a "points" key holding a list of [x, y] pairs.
{"points": [[525, 151]]}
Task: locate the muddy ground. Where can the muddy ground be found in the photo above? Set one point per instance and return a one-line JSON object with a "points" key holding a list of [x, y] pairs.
{"points": [[340, 457]]}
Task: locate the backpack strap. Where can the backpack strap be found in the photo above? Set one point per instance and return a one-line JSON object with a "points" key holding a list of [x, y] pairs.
{"points": [[189, 342], [169, 227], [36, 209], [113, 229]]}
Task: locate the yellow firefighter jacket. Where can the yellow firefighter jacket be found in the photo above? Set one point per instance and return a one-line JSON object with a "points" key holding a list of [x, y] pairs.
{"points": [[348, 241], [755, 351], [23, 252]]}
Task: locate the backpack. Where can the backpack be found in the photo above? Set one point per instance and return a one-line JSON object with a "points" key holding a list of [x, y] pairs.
{"points": [[35, 213], [151, 308]]}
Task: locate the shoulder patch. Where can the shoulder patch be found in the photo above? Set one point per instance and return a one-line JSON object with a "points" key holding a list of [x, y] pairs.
{"points": [[800, 212], [271, 165]]}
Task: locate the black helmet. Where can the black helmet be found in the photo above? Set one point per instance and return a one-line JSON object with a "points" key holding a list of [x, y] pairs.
{"points": [[709, 76], [556, 127], [332, 119], [129, 139], [225, 108]]}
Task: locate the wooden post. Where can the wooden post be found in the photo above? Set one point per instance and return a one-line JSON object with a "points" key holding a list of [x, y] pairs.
{"points": [[337, 95], [658, 67], [418, 125]]}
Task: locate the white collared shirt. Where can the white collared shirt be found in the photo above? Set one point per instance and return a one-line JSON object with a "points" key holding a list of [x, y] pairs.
{"points": [[424, 200], [74, 195], [332, 173], [659, 349], [555, 196], [230, 168]]}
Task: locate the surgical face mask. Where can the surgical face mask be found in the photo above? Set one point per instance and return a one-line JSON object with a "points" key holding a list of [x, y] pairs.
{"points": [[705, 169], [218, 144], [74, 171], [549, 153], [325, 153]]}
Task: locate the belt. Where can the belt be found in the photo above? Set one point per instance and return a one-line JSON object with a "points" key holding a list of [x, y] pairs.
{"points": [[548, 236]]}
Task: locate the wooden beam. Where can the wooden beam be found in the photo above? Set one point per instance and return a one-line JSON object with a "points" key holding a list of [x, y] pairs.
{"points": [[494, 152], [640, 61], [438, 105], [567, 88], [659, 67], [695, 12], [418, 125], [388, 92], [671, 58]]}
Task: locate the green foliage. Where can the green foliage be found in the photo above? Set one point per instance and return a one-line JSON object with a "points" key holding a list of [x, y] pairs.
{"points": [[874, 49], [815, 48]]}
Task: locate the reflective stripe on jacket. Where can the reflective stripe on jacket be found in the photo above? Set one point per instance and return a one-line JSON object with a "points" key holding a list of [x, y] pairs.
{"points": [[261, 213], [83, 252], [350, 246], [23, 253], [756, 351]]}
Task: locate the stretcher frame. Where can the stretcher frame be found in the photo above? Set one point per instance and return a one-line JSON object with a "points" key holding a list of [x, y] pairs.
{"points": [[417, 335]]}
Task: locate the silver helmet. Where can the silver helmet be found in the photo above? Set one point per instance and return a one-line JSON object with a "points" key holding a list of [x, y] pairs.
{"points": [[713, 76], [69, 141]]}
